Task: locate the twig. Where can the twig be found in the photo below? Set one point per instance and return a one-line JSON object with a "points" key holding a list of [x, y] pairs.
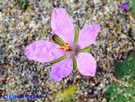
{"points": [[119, 81]]}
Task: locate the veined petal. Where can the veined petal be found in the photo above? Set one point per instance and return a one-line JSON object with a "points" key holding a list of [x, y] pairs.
{"points": [[86, 64], [62, 25], [43, 51], [88, 35], [62, 69]]}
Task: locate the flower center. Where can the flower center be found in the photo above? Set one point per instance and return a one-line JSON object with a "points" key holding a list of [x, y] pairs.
{"points": [[65, 47]]}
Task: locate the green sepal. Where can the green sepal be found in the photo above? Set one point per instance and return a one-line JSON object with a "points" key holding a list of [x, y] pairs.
{"points": [[74, 63], [86, 49], [59, 59], [57, 40], [77, 30]]}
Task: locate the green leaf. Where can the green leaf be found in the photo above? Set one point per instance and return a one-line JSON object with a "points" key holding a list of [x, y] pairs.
{"points": [[67, 95], [120, 98], [133, 8], [118, 71], [133, 0], [130, 90], [112, 100], [131, 100], [131, 64], [57, 40], [77, 30], [59, 59], [130, 7], [112, 89], [86, 49], [74, 63], [118, 92], [125, 68]]}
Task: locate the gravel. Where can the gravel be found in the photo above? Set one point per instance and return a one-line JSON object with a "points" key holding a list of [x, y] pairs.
{"points": [[19, 27]]}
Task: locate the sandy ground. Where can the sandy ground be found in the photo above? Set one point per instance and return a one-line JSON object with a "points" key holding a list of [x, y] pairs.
{"points": [[18, 28]]}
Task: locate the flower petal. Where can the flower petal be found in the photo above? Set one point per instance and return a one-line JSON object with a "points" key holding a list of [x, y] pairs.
{"points": [[88, 35], [125, 6], [43, 51], [62, 69], [86, 64], [62, 25]]}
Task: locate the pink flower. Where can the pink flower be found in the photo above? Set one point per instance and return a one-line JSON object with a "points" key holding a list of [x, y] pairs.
{"points": [[44, 51]]}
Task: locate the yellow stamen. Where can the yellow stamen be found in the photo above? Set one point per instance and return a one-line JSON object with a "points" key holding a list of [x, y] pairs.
{"points": [[65, 47]]}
